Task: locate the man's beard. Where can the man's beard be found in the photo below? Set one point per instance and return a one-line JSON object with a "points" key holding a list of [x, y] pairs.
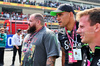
{"points": [[31, 29]]}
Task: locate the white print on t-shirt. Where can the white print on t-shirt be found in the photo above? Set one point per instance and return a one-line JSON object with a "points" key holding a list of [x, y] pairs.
{"points": [[98, 64], [67, 45]]}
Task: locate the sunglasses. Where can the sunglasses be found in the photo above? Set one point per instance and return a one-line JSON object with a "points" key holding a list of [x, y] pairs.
{"points": [[2, 31]]}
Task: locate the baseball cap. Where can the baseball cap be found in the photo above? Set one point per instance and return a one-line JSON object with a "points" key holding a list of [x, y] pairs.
{"points": [[62, 8]]}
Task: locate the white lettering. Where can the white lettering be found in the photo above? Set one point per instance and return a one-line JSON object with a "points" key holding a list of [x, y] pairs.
{"points": [[98, 64], [66, 45], [10, 43]]}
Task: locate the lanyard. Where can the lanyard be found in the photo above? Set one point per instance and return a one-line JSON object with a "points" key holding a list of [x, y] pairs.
{"points": [[69, 37], [29, 41]]}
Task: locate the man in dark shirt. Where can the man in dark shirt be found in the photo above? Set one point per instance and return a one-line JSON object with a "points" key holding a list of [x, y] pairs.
{"points": [[69, 40], [89, 30]]}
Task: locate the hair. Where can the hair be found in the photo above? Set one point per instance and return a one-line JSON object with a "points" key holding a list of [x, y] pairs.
{"points": [[94, 15], [2, 29], [40, 17], [19, 30]]}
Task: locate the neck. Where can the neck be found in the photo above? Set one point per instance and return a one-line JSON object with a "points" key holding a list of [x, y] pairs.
{"points": [[18, 34], [70, 26], [92, 46], [38, 28], [95, 42]]}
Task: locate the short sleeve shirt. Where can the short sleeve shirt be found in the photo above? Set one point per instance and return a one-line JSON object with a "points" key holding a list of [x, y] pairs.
{"points": [[66, 45], [43, 45]]}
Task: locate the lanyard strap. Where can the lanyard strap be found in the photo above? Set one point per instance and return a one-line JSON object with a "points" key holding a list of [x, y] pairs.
{"points": [[29, 41], [69, 37]]}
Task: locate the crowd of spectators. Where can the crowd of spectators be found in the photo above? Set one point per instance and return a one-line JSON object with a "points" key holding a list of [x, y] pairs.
{"points": [[20, 16], [95, 1], [49, 4], [79, 7], [50, 19], [13, 16]]}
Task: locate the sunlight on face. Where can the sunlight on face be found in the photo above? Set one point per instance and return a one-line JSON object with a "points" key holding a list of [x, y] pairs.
{"points": [[63, 18], [85, 30]]}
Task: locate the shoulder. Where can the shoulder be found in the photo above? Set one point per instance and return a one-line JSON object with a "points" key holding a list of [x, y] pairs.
{"points": [[96, 61], [5, 34], [15, 35], [62, 33], [27, 36], [47, 31]]}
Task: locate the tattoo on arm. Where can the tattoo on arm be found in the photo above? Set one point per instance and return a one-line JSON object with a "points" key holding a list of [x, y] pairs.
{"points": [[51, 61]]}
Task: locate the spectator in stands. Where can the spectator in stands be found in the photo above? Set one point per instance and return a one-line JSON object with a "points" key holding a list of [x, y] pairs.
{"points": [[34, 3], [19, 1], [3, 38], [5, 0], [31, 3], [7, 15], [2, 13]]}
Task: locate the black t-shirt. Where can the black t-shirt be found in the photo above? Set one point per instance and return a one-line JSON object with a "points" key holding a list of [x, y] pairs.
{"points": [[92, 59], [66, 45], [96, 57]]}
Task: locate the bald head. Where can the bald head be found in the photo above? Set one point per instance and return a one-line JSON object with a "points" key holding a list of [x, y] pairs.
{"points": [[38, 16]]}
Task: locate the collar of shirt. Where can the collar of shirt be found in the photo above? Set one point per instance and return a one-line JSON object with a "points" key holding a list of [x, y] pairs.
{"points": [[97, 51]]}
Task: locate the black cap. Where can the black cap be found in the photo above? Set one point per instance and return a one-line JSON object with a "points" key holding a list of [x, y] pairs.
{"points": [[62, 8], [19, 30]]}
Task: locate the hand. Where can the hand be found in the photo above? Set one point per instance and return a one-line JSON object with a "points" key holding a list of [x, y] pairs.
{"points": [[17, 47]]}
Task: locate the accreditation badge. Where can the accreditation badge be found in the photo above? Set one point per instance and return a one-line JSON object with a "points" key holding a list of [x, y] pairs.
{"points": [[70, 56], [77, 54]]}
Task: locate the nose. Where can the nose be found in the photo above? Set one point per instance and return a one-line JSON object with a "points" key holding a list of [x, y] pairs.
{"points": [[78, 31], [57, 18], [28, 23]]}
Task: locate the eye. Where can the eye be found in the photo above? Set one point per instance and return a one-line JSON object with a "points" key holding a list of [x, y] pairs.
{"points": [[59, 14], [81, 26]]}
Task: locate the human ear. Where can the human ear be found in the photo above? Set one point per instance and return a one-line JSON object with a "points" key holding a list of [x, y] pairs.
{"points": [[71, 14], [97, 27], [39, 22]]}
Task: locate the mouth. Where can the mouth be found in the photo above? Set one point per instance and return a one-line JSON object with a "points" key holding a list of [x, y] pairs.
{"points": [[81, 36], [59, 22]]}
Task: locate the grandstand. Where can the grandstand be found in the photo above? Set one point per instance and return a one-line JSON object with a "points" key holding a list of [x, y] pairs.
{"points": [[24, 9], [92, 2]]}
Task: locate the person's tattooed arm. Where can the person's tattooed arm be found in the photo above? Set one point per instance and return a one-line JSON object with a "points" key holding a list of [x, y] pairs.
{"points": [[51, 61]]}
